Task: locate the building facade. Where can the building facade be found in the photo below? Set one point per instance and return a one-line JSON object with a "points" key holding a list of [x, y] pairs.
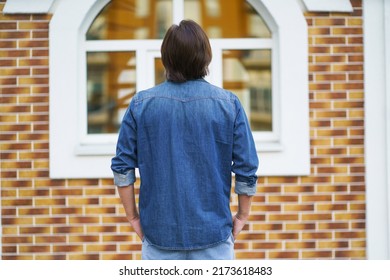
{"points": [[312, 79]]}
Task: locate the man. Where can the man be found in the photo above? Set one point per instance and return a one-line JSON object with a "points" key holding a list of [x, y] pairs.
{"points": [[186, 136]]}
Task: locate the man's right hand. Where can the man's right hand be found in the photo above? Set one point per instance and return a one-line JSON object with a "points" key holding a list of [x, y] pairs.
{"points": [[136, 224], [238, 225]]}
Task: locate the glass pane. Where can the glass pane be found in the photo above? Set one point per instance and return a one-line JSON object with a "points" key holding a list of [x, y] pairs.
{"points": [[247, 73], [159, 71], [227, 19], [111, 78], [132, 19]]}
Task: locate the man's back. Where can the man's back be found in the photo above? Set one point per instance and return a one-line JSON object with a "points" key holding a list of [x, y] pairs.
{"points": [[186, 137], [185, 147]]}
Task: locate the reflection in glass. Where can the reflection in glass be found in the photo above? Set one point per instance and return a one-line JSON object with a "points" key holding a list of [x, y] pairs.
{"points": [[132, 19], [247, 73], [111, 75], [159, 71], [111, 78], [227, 19]]}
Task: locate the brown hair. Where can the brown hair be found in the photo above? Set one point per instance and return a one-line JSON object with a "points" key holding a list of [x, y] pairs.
{"points": [[185, 52]]}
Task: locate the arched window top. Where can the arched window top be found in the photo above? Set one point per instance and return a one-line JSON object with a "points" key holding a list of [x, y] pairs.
{"points": [[150, 19], [132, 19]]}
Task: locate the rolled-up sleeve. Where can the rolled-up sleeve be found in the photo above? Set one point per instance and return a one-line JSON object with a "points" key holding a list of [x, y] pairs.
{"points": [[245, 160], [125, 161], [245, 186], [123, 180]]}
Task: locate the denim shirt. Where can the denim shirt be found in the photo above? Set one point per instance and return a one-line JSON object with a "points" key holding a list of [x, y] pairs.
{"points": [[186, 139]]}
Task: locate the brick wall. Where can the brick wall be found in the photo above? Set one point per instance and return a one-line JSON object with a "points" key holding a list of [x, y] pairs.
{"points": [[318, 216]]}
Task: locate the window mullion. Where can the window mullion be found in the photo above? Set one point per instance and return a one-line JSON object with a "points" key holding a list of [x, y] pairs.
{"points": [[242, 43], [142, 69], [215, 67], [82, 87], [122, 45], [178, 11]]}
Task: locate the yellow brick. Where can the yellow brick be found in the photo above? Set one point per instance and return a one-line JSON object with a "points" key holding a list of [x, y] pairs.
{"points": [[347, 30], [300, 226], [50, 239], [350, 234], [250, 255], [101, 229], [282, 198], [49, 201], [331, 207], [349, 216], [83, 256], [82, 201], [298, 207], [17, 221], [283, 217], [33, 25], [316, 198], [267, 226], [84, 220], [356, 113], [267, 245], [99, 210], [284, 255], [358, 206], [316, 254], [335, 225], [34, 249], [354, 21], [356, 254], [116, 256], [316, 235], [130, 247], [356, 95], [332, 244], [348, 179], [283, 235], [300, 245], [111, 201], [329, 21], [101, 248], [50, 257], [316, 217], [358, 244], [9, 230]]}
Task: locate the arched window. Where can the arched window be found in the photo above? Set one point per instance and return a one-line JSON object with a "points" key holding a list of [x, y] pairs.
{"points": [[104, 51], [127, 34]]}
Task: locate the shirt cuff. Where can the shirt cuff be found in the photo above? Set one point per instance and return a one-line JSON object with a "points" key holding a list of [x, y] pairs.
{"points": [[124, 180], [245, 188]]}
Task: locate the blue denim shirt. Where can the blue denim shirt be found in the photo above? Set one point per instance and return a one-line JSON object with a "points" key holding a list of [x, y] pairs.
{"points": [[186, 139]]}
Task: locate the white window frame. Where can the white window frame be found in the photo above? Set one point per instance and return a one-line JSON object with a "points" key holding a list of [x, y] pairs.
{"points": [[377, 126], [265, 140], [73, 155], [328, 5]]}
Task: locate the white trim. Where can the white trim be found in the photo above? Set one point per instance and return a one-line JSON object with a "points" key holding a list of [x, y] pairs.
{"points": [[376, 83], [64, 81], [27, 6], [291, 40], [71, 152], [328, 5], [46, 6], [178, 11], [121, 45], [387, 87]]}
